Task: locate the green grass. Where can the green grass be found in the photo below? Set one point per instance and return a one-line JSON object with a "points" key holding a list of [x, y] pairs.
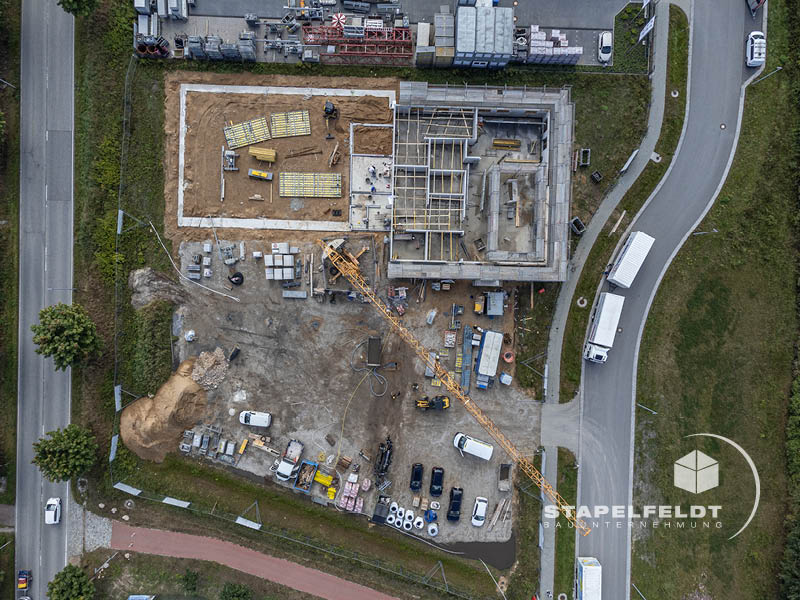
{"points": [[717, 357], [524, 582], [7, 574], [164, 576], [629, 55], [600, 255], [532, 334], [9, 246], [565, 534]]}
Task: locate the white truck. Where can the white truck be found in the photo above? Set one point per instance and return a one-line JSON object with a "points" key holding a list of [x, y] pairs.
{"points": [[290, 461], [589, 578], [603, 327], [630, 260]]}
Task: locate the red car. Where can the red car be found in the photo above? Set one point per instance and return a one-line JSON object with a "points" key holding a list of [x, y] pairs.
{"points": [[24, 579]]}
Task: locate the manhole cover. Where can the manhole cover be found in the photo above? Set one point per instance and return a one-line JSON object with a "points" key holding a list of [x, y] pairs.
{"points": [[582, 302], [674, 93], [722, 126], [128, 504]]}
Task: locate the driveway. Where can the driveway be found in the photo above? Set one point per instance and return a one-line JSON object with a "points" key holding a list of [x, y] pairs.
{"points": [[606, 454]]}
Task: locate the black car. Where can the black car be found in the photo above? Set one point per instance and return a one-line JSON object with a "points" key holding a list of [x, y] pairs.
{"points": [[437, 481], [416, 477], [454, 511]]}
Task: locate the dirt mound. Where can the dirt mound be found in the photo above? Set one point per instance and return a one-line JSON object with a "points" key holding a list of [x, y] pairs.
{"points": [[210, 368], [148, 286], [372, 140], [152, 427]]}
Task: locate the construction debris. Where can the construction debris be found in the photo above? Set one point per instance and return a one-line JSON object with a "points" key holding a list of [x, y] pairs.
{"points": [[210, 368]]}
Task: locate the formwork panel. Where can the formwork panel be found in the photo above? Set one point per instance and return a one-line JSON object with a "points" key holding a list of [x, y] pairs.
{"points": [[310, 185], [246, 133], [290, 124]]}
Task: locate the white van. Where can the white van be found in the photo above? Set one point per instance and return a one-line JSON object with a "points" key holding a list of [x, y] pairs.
{"points": [[470, 445]]}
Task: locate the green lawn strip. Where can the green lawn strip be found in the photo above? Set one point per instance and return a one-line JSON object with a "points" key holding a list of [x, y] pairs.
{"points": [[165, 576], [600, 255], [532, 329], [9, 246], [629, 55], [524, 581], [7, 573], [565, 533], [229, 495], [717, 356]]}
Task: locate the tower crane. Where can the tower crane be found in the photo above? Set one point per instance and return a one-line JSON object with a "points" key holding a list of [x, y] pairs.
{"points": [[352, 272]]}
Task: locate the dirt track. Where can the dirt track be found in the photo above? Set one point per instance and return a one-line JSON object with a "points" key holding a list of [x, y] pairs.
{"points": [[206, 115]]}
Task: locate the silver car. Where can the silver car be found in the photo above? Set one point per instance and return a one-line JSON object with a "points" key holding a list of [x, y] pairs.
{"points": [[605, 42]]}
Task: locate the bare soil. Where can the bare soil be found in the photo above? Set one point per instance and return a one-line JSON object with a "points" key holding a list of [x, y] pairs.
{"points": [[372, 140], [208, 113]]}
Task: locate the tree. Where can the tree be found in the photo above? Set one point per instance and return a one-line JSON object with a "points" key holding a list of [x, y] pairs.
{"points": [[78, 8], [67, 453], [66, 333], [235, 591], [71, 583]]}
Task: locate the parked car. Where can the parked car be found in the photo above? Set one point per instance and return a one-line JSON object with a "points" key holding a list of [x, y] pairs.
{"points": [[605, 42], [454, 510], [479, 511], [52, 511], [416, 477], [755, 50], [255, 419], [437, 481]]}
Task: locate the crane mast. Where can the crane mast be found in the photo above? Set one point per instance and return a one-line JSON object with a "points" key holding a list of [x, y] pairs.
{"points": [[352, 272]]}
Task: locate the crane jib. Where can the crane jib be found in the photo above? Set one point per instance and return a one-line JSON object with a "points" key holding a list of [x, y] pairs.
{"points": [[353, 274]]}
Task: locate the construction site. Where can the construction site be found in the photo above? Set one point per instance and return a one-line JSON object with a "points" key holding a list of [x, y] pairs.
{"points": [[348, 262]]}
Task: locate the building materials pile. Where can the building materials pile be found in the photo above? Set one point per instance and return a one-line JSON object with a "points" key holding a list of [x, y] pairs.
{"points": [[210, 368], [554, 49]]}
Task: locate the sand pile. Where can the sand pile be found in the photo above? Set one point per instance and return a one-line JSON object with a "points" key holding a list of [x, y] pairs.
{"points": [[152, 427], [210, 368]]}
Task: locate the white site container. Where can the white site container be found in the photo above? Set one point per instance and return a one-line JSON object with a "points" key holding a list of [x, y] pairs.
{"points": [[630, 260], [590, 579]]}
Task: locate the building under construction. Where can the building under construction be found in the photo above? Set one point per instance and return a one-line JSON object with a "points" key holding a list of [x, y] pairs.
{"points": [[481, 183]]}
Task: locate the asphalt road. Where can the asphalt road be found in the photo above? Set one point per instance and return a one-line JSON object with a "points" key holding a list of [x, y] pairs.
{"points": [[572, 14], [717, 74], [46, 168]]}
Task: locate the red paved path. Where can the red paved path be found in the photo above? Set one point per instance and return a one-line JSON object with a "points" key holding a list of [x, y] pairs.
{"points": [[183, 545]]}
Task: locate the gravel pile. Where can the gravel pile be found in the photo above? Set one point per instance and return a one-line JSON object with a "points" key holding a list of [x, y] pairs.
{"points": [[210, 368]]}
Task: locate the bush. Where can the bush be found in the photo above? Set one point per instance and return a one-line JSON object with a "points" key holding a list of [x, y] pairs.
{"points": [[189, 581], [235, 591]]}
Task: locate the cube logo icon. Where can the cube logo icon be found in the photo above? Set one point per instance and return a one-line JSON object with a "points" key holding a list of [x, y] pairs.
{"points": [[696, 472]]}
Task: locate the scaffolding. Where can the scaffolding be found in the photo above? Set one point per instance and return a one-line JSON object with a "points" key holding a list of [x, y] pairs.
{"points": [[310, 185], [244, 134], [289, 124]]}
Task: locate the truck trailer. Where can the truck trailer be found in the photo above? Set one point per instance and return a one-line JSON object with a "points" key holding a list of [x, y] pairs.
{"points": [[630, 260], [603, 327], [589, 578]]}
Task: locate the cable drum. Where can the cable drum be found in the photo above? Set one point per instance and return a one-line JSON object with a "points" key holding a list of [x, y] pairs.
{"points": [[390, 519], [407, 526], [433, 530]]}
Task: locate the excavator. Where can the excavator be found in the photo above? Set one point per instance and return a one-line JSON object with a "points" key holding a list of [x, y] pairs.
{"points": [[437, 403], [352, 272]]}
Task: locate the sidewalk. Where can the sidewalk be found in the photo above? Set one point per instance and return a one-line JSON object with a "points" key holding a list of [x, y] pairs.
{"points": [[292, 575], [550, 421]]}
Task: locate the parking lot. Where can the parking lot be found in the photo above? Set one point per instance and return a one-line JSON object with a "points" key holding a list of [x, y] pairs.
{"points": [[296, 362]]}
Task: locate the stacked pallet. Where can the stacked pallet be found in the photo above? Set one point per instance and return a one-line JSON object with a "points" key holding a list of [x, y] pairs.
{"points": [[263, 154]]}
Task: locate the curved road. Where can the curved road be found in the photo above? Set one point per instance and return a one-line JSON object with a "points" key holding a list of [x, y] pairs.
{"points": [[717, 73]]}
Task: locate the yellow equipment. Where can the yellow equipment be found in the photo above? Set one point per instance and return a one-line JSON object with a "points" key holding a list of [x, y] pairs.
{"points": [[322, 479], [352, 272], [437, 403], [263, 154], [256, 174]]}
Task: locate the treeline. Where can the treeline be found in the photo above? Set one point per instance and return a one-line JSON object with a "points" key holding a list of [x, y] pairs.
{"points": [[790, 571]]}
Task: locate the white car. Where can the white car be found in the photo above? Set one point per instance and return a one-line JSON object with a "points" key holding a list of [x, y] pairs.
{"points": [[755, 50], [605, 42], [52, 511], [255, 419], [479, 511]]}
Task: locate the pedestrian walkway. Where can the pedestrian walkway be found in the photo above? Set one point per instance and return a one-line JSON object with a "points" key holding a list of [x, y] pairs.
{"points": [[552, 420], [292, 575]]}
